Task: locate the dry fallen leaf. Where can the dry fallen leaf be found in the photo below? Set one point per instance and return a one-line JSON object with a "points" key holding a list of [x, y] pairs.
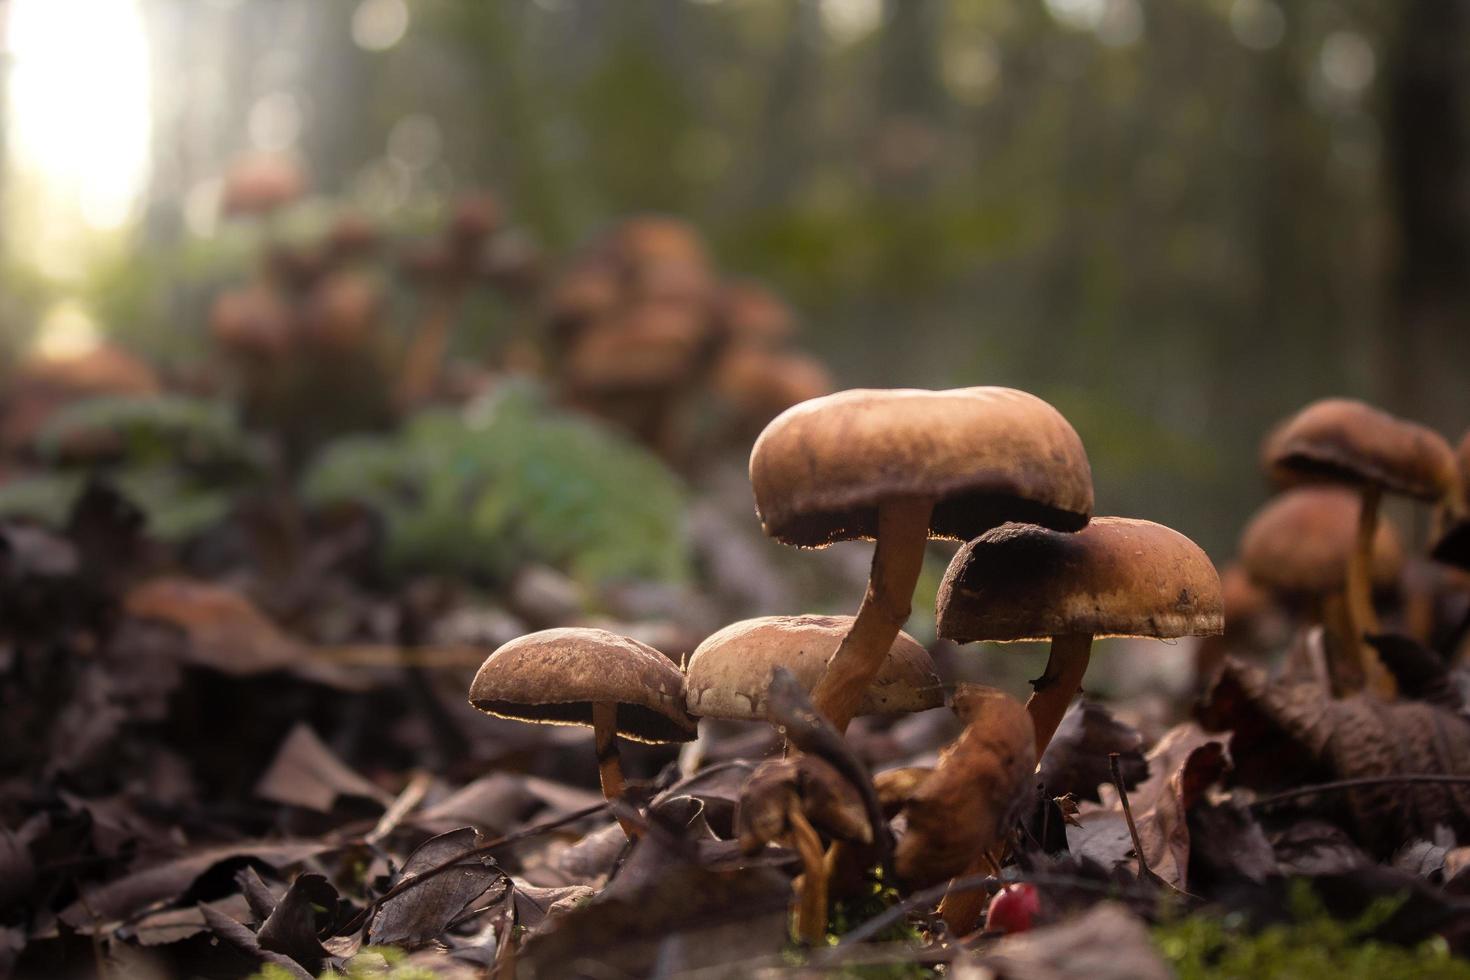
{"points": [[1287, 734]]}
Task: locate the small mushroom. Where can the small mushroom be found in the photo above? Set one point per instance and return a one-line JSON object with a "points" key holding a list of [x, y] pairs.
{"points": [[899, 467], [729, 674], [1115, 577], [1338, 440], [579, 676], [791, 802], [261, 185], [1299, 546]]}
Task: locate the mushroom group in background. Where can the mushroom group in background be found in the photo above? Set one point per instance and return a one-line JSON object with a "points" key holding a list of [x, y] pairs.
{"points": [[581, 676], [641, 331], [1338, 440], [900, 467], [1298, 547]]}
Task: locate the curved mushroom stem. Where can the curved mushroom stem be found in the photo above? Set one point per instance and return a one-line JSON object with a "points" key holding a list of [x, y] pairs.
{"points": [[609, 765], [1361, 617], [1053, 691], [961, 910], [811, 890], [903, 531]]}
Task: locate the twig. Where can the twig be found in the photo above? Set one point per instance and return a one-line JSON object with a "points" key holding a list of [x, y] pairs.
{"points": [[929, 896], [1346, 784], [1143, 868], [413, 794]]}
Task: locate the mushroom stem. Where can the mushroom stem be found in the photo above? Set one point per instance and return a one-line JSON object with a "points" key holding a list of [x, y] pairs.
{"points": [[609, 765], [903, 531], [811, 889], [1361, 617], [1340, 644], [1052, 692], [425, 354], [961, 910]]}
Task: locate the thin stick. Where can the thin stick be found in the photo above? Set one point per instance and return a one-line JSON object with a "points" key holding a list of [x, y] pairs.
{"points": [[1143, 868], [413, 794], [929, 896], [1346, 784]]}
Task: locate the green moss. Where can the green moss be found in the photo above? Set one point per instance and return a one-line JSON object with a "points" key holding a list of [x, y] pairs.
{"points": [[1314, 946]]}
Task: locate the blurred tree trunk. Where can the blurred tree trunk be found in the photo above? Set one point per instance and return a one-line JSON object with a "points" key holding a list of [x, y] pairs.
{"points": [[1427, 339]]}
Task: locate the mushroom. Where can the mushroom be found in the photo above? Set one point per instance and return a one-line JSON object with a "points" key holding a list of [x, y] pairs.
{"points": [[729, 674], [900, 466], [789, 801], [1115, 577], [1339, 440], [1299, 546], [957, 818], [261, 185], [580, 676]]}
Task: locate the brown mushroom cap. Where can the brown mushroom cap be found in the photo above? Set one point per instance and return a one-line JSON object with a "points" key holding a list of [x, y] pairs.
{"points": [[988, 455], [1115, 577], [749, 313], [761, 383], [651, 345], [728, 675], [1345, 441], [555, 676], [261, 184], [1299, 543]]}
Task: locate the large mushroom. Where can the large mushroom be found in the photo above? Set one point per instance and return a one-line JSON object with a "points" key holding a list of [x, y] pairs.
{"points": [[729, 674], [901, 466], [580, 676], [1115, 577], [1339, 440], [1298, 546]]}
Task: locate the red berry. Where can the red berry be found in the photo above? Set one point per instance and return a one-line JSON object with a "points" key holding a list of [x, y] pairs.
{"points": [[1013, 908]]}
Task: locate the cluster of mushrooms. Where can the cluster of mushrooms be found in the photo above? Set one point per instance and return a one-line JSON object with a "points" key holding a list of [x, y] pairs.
{"points": [[315, 311], [643, 331], [994, 467], [1319, 551]]}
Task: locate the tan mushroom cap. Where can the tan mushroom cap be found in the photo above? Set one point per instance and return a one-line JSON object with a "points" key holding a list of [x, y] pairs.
{"points": [[728, 674], [762, 383], [1345, 441], [1115, 577], [555, 676], [648, 346], [260, 184], [1299, 543], [988, 455]]}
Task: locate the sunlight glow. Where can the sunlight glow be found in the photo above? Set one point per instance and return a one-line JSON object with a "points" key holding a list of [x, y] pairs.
{"points": [[78, 121], [67, 330]]}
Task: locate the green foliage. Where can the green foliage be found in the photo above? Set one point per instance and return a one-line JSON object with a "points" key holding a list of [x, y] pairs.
{"points": [[370, 963], [512, 480], [155, 429], [1314, 946], [182, 460]]}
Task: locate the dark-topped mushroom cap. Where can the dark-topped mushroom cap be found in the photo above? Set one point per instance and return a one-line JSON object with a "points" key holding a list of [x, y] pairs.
{"points": [[729, 674], [1299, 543], [1115, 577], [1345, 441], [987, 455], [555, 676]]}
